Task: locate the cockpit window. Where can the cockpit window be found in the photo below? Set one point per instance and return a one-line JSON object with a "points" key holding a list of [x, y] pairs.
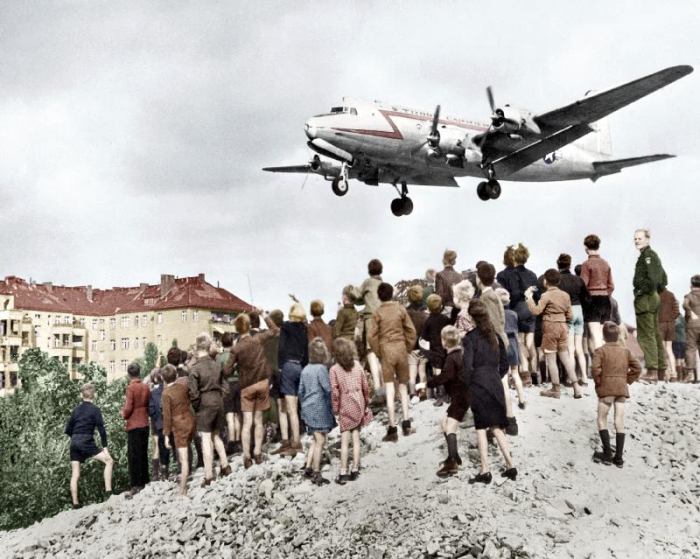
{"points": [[341, 110]]}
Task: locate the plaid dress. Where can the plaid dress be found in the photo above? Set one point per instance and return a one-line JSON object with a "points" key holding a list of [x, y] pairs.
{"points": [[350, 397], [315, 398]]}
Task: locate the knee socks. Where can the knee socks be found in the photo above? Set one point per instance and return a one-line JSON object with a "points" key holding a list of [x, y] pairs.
{"points": [[605, 439], [452, 446]]}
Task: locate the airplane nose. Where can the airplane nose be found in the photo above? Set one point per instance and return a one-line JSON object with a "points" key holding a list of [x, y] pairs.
{"points": [[310, 130]]}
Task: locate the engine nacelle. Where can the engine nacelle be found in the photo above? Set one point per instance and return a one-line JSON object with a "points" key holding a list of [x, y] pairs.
{"points": [[452, 140], [515, 121], [325, 168]]}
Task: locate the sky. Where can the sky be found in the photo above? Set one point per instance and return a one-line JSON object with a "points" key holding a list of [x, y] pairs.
{"points": [[132, 137]]}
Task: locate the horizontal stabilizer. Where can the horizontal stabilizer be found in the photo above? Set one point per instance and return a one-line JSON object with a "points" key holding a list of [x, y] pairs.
{"points": [[616, 165]]}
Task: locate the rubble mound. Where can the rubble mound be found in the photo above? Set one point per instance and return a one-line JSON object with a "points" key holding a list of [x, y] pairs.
{"points": [[561, 505]]}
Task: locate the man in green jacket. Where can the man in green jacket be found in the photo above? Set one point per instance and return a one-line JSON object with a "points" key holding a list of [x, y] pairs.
{"points": [[649, 279]]}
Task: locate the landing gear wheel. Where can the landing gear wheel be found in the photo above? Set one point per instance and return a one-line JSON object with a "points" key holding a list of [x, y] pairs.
{"points": [[407, 206], [493, 188], [483, 191], [397, 207], [340, 186]]}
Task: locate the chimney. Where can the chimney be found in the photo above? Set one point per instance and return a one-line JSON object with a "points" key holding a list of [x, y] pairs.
{"points": [[88, 293], [201, 278], [48, 285], [143, 287], [167, 281]]}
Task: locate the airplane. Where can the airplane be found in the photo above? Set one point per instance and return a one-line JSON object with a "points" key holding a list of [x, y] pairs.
{"points": [[375, 143]]}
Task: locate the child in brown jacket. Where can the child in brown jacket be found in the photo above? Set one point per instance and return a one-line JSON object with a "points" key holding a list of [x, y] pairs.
{"points": [[613, 369]]}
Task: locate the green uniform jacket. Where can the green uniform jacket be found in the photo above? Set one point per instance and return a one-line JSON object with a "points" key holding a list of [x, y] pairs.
{"points": [[649, 279]]}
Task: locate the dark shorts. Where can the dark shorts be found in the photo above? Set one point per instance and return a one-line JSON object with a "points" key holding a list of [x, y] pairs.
{"points": [[667, 331], [275, 386], [289, 378], [210, 415], [513, 351], [232, 399], [679, 350], [83, 447], [599, 309], [458, 408], [526, 321]]}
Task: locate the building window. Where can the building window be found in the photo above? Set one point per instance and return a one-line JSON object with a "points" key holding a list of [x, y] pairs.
{"points": [[125, 322], [94, 324], [144, 320], [81, 321], [57, 319], [113, 345], [136, 321], [66, 319], [112, 368], [183, 316], [102, 335], [102, 355], [93, 345], [136, 343], [112, 323], [37, 317], [143, 342], [195, 315], [122, 364], [160, 318], [102, 322], [125, 343]]}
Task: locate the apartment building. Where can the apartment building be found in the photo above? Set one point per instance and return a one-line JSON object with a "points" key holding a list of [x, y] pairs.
{"points": [[108, 326]]}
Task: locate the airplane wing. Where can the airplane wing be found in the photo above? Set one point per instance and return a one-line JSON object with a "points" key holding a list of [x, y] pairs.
{"points": [[610, 167], [289, 169], [567, 124]]}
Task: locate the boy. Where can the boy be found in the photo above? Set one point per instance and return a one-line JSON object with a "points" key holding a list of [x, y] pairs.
{"points": [[555, 308], [613, 369], [81, 429], [391, 337]]}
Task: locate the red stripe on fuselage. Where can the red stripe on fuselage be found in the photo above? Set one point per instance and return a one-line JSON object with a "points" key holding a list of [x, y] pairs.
{"points": [[395, 133]]}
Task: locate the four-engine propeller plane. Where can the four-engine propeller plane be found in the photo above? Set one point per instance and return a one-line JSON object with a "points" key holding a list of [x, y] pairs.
{"points": [[378, 143]]}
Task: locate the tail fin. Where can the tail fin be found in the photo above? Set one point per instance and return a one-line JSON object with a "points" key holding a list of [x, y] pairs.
{"points": [[600, 140]]}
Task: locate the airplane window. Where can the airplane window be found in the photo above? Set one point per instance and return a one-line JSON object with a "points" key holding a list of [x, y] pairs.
{"points": [[353, 111], [335, 110]]}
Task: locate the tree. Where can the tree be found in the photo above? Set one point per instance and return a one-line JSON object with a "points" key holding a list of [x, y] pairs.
{"points": [[150, 358]]}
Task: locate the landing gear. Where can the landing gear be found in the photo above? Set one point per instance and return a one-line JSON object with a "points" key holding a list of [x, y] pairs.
{"points": [[404, 205], [490, 190], [340, 186]]}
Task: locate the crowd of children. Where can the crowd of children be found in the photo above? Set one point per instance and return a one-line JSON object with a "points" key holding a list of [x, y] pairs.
{"points": [[463, 340]]}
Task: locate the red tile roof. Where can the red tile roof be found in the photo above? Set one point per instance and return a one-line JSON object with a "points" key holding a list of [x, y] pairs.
{"points": [[190, 292]]}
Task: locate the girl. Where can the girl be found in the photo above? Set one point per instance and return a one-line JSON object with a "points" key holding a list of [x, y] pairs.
{"points": [[161, 455], [350, 399], [452, 378], [485, 363], [316, 409], [513, 352]]}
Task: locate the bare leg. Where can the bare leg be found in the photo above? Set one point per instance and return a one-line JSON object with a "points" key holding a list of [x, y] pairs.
{"points": [[356, 449], [596, 334], [390, 396], [503, 445], [230, 427], [670, 358], [450, 425], [518, 384], [259, 432], [182, 454], [319, 443], [293, 413], [603, 410], [310, 454], [107, 460], [245, 435], [74, 478], [207, 454], [570, 371], [282, 416], [524, 363], [580, 356], [374, 368], [403, 394], [237, 420], [412, 371], [619, 417], [530, 343], [552, 370], [156, 453], [506, 393], [483, 449], [344, 448], [221, 451]]}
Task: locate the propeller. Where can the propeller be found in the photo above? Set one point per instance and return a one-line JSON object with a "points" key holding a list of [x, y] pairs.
{"points": [[497, 115], [434, 136]]}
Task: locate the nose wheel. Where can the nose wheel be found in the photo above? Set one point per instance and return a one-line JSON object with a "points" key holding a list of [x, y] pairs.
{"points": [[488, 190], [403, 205]]}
